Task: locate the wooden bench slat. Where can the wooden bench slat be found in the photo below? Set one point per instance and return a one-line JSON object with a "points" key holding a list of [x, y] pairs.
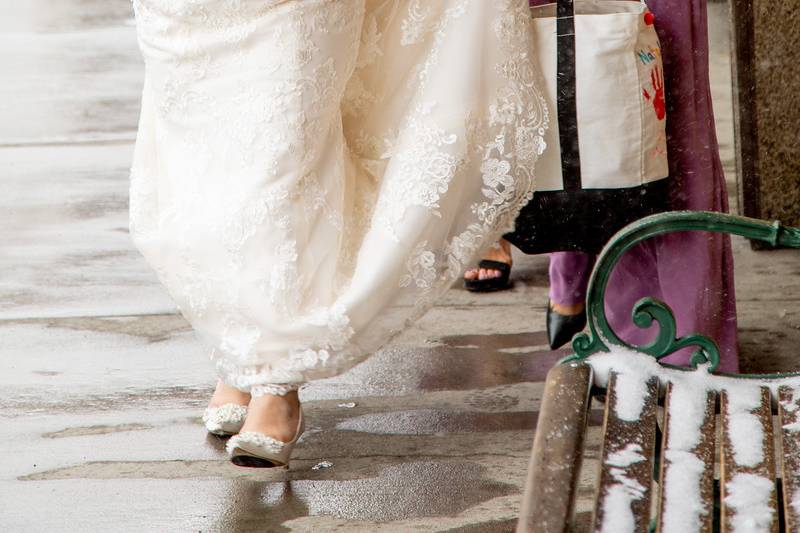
{"points": [[687, 460], [747, 476], [557, 451], [789, 418], [623, 497]]}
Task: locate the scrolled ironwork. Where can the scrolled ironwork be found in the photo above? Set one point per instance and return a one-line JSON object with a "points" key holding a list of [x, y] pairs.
{"points": [[649, 310]]}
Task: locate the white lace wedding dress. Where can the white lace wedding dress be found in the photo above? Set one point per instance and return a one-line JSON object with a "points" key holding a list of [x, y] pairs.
{"points": [[310, 175]]}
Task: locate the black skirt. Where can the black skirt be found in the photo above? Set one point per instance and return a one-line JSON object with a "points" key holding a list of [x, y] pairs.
{"points": [[585, 219]]}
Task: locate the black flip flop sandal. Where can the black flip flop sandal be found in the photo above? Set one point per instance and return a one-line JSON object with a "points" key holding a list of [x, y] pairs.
{"points": [[499, 283]]}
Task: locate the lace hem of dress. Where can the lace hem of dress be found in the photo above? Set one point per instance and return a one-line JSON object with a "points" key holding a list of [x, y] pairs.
{"points": [[500, 141], [293, 371], [508, 141]]}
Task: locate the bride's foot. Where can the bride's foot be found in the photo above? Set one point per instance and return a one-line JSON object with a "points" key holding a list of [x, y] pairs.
{"points": [[227, 410], [273, 425], [493, 271], [274, 416], [225, 394]]}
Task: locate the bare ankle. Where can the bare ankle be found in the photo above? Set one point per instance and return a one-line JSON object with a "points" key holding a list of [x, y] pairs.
{"points": [[567, 310], [290, 402], [225, 393], [276, 416]]}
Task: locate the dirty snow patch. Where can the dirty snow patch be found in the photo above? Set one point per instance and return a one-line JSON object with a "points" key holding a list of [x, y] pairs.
{"points": [[617, 512], [626, 457], [682, 492], [749, 496], [744, 426], [684, 471]]}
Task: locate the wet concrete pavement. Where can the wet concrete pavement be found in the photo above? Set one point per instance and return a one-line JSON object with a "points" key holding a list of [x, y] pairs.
{"points": [[103, 383]]}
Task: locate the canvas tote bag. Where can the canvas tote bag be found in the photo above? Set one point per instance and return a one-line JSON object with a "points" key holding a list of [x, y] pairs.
{"points": [[606, 159]]}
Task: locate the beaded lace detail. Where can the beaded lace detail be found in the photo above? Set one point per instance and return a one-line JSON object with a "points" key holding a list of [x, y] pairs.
{"points": [[259, 441], [224, 417]]}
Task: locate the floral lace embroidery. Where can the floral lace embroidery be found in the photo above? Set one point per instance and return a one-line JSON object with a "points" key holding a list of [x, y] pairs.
{"points": [[252, 134], [416, 24], [512, 110], [420, 265], [370, 43], [312, 195], [238, 339], [244, 377], [425, 164], [439, 30], [357, 97], [284, 276]]}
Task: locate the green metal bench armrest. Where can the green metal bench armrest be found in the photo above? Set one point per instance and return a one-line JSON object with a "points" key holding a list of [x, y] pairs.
{"points": [[648, 310]]}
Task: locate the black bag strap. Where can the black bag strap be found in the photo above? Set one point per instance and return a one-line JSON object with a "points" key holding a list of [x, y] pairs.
{"points": [[566, 95]]}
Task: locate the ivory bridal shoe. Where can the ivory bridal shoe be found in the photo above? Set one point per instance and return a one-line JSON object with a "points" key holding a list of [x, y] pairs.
{"points": [[225, 420], [261, 451]]}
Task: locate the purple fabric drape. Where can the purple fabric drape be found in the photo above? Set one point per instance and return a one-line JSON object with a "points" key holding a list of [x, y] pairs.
{"points": [[691, 271]]}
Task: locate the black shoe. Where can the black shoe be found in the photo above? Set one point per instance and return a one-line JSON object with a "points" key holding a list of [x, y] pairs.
{"points": [[561, 328], [499, 283]]}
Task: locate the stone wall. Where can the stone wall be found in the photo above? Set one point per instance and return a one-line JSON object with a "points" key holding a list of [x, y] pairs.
{"points": [[766, 74]]}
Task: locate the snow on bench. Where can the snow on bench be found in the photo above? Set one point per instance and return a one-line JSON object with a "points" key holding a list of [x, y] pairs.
{"points": [[633, 383]]}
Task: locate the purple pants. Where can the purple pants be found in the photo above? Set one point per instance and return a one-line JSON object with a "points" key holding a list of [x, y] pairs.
{"points": [[691, 271]]}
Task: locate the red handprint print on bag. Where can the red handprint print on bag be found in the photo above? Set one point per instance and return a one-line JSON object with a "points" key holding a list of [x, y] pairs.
{"points": [[659, 104]]}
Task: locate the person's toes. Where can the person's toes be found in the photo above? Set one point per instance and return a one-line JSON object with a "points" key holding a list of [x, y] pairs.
{"points": [[471, 274], [489, 273]]}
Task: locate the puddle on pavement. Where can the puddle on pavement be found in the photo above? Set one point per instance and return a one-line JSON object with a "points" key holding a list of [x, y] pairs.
{"points": [[463, 362], [399, 492], [466, 362], [493, 526], [97, 207], [153, 328], [95, 430], [131, 400], [492, 400], [61, 45], [47, 373], [435, 422]]}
